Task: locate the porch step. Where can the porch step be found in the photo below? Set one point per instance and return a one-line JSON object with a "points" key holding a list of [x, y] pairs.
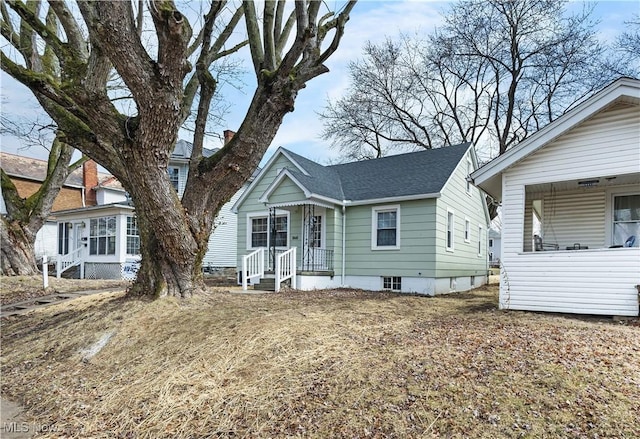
{"points": [[269, 284], [266, 284], [70, 273]]}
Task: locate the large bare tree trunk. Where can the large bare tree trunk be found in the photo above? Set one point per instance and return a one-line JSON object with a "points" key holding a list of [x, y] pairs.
{"points": [[168, 244], [136, 148], [17, 249]]}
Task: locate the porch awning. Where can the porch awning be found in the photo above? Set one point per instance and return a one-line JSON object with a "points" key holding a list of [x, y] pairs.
{"points": [[301, 203]]}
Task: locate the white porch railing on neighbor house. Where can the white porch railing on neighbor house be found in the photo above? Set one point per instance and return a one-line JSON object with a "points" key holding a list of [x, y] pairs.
{"points": [[286, 268], [69, 260], [252, 266]]}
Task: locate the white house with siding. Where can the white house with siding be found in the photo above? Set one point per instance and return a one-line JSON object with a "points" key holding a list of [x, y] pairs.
{"points": [[577, 181], [104, 240]]}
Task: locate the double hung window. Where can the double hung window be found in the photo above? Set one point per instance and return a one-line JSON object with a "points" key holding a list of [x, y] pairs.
{"points": [[102, 236], [385, 233], [133, 236], [262, 231], [174, 176], [450, 228]]}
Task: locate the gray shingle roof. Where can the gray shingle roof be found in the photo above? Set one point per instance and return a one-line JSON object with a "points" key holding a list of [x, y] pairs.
{"points": [[322, 180], [183, 150], [416, 173]]}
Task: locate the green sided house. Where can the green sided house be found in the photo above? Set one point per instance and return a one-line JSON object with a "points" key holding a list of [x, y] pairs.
{"points": [[411, 223]]}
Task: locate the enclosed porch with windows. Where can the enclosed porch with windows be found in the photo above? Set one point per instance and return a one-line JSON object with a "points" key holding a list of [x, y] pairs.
{"points": [[99, 242], [294, 241]]}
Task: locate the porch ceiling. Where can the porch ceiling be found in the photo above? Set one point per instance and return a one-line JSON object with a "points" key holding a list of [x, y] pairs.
{"points": [[595, 182]]}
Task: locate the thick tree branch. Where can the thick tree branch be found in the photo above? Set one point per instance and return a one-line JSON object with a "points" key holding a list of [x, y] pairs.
{"points": [[111, 29], [43, 31], [71, 29], [12, 200], [216, 51], [253, 34], [338, 24], [39, 82], [268, 35]]}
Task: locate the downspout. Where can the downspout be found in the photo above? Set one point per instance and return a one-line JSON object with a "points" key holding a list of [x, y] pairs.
{"points": [[344, 241], [84, 204], [486, 255]]}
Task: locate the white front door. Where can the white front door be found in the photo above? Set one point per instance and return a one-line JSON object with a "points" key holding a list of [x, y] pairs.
{"points": [[313, 245], [78, 231]]}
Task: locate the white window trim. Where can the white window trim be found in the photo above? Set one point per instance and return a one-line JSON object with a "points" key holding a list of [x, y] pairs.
{"points": [[480, 230], [116, 235], [467, 230], [610, 194], [468, 188], [453, 230], [397, 290], [263, 214], [127, 236], [374, 226], [177, 168]]}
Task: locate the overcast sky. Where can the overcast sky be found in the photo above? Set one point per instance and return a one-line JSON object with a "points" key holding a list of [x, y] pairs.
{"points": [[370, 21]]}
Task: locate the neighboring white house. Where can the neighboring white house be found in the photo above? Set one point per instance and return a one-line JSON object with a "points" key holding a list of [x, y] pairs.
{"points": [[579, 178], [95, 221], [495, 241]]}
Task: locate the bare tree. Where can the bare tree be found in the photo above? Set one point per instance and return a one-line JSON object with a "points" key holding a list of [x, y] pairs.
{"points": [[493, 74], [625, 57], [288, 48]]}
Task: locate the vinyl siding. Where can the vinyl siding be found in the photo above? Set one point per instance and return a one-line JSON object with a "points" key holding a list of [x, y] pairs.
{"points": [[575, 217], [415, 257], [607, 144], [586, 282], [464, 259], [252, 203], [590, 281], [528, 225], [421, 230], [223, 242], [286, 191]]}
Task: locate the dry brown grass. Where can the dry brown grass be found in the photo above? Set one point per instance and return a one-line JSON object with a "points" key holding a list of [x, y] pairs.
{"points": [[18, 288], [322, 364]]}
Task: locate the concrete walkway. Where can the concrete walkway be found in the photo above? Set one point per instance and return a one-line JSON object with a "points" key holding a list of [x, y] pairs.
{"points": [[18, 308]]}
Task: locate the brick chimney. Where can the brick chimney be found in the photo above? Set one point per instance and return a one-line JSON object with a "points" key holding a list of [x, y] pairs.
{"points": [[90, 181], [228, 135]]}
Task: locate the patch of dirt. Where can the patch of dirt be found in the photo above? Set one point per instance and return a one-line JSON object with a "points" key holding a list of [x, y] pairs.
{"points": [[15, 289]]}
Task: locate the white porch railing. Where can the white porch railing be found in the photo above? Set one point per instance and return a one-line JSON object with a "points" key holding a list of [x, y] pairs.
{"points": [[252, 266], [69, 260], [286, 268]]}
